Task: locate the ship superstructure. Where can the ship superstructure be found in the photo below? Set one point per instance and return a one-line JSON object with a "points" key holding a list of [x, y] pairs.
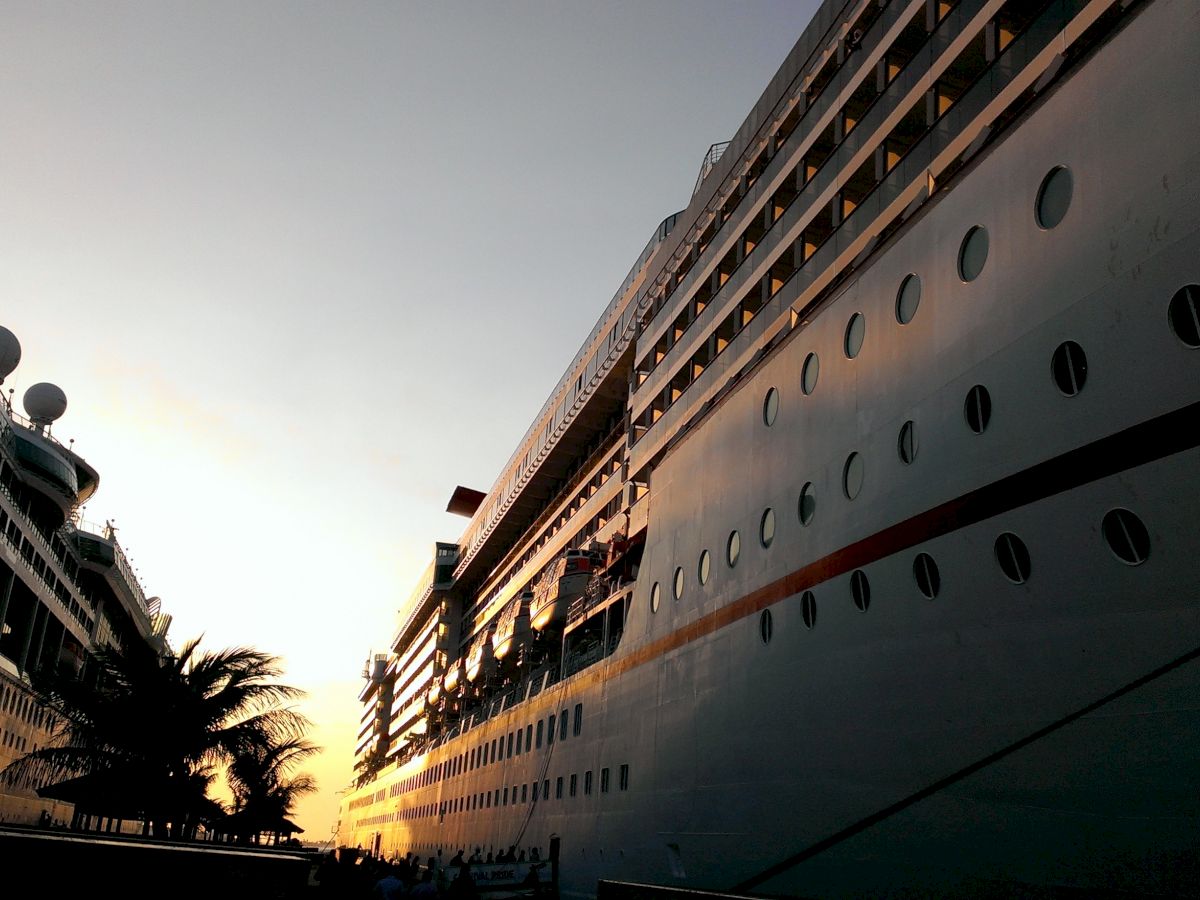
{"points": [[66, 586], [856, 549]]}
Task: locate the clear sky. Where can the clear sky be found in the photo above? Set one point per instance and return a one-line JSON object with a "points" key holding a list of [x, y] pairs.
{"points": [[303, 267]]}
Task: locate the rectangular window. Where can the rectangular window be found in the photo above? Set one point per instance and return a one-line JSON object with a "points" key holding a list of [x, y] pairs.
{"points": [[533, 792], [558, 788], [496, 797], [574, 783], [624, 783], [578, 718], [518, 742], [550, 729], [510, 745], [604, 781], [524, 793], [528, 737], [546, 789], [505, 795], [493, 757], [562, 723], [587, 782], [540, 725]]}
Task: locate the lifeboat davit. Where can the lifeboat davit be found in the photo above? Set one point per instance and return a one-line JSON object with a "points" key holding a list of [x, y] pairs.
{"points": [[512, 630], [564, 580], [481, 661]]}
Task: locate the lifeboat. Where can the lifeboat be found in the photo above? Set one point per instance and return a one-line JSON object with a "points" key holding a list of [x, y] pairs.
{"points": [[434, 693], [481, 661], [512, 629], [563, 581], [454, 677]]}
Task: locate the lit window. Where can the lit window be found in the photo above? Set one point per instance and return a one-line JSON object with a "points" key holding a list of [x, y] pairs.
{"points": [[733, 548], [702, 569], [654, 598], [677, 584]]}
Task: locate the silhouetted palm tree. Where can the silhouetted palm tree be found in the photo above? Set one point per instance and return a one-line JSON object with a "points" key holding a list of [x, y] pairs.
{"points": [[147, 732], [263, 790]]}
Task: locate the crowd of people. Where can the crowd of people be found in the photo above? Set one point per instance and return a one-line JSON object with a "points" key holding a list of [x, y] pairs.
{"points": [[351, 873]]}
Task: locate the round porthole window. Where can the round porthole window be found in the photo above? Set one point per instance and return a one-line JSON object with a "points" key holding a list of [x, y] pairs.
{"points": [[808, 374], [978, 408], [908, 298], [1184, 314], [1068, 368], [856, 330], [654, 598], [806, 508], [1054, 197], [906, 443], [925, 571], [808, 609], [1126, 537], [973, 254], [678, 582], [860, 590], [766, 528], [733, 548], [770, 407], [703, 568], [1013, 557], [852, 475], [766, 626]]}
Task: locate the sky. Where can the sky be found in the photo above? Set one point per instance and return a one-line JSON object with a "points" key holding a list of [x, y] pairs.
{"points": [[301, 268]]}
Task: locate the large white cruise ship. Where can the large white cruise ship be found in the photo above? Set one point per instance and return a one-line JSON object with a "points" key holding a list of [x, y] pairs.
{"points": [[66, 586], [857, 549]]}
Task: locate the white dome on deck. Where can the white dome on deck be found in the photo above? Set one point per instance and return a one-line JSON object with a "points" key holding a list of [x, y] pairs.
{"points": [[10, 353], [45, 402]]}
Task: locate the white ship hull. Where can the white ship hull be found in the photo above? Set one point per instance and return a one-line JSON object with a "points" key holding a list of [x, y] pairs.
{"points": [[1000, 734]]}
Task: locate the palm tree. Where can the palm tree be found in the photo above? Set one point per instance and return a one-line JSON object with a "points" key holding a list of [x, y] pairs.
{"points": [[147, 732], [263, 791]]}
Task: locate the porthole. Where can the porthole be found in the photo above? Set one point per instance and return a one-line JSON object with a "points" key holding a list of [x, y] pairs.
{"points": [[1126, 536], [1068, 368], [908, 298], [925, 571], [906, 443], [856, 330], [1013, 557], [765, 626], [973, 253], [808, 609], [806, 508], [703, 568], [677, 584], [852, 476], [860, 590], [978, 408], [654, 597], [1184, 314], [766, 527], [1054, 197], [733, 548], [808, 374], [770, 407]]}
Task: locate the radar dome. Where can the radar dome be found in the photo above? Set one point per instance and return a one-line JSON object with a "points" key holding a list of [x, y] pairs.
{"points": [[10, 353], [45, 402]]}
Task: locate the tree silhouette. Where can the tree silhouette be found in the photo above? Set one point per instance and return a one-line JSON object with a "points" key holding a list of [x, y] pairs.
{"points": [[140, 736]]}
